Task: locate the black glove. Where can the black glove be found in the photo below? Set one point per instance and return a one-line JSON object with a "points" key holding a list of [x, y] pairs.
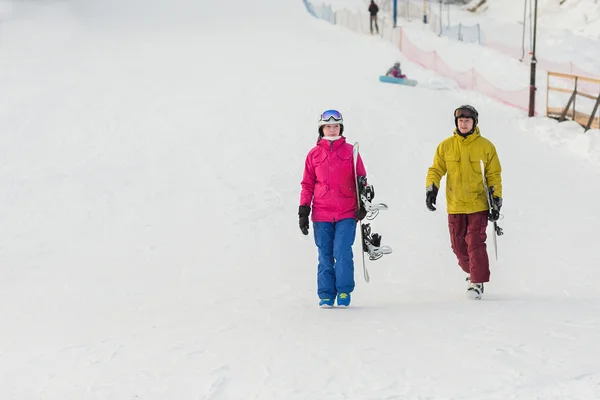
{"points": [[303, 213], [361, 213], [494, 213], [430, 196]]}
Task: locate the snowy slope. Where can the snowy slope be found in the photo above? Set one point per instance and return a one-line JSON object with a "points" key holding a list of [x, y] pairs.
{"points": [[150, 160], [565, 33], [578, 16]]}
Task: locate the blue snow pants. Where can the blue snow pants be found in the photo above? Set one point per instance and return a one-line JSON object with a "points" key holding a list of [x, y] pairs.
{"points": [[336, 265]]}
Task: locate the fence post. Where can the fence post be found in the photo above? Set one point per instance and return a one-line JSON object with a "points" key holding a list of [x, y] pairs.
{"points": [[574, 100], [589, 124], [401, 36], [547, 91], [563, 115]]}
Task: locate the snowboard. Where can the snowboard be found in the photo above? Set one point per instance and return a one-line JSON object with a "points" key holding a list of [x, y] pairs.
{"points": [[398, 81], [370, 242], [497, 230]]}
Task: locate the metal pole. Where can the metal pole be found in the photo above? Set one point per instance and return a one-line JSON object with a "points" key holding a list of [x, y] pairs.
{"points": [[533, 65], [395, 12], [441, 29], [424, 11], [523, 40], [530, 25]]}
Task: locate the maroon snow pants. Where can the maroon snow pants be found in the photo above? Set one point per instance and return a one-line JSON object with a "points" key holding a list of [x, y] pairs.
{"points": [[467, 234]]}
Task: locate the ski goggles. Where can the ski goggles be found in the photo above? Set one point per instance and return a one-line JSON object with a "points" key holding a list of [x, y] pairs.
{"points": [[331, 114], [464, 113]]}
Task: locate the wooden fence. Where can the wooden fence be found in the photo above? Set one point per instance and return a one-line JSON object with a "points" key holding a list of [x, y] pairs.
{"points": [[573, 97]]}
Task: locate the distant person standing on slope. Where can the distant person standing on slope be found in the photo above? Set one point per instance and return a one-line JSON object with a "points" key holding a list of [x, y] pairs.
{"points": [[373, 10], [328, 185], [467, 203]]}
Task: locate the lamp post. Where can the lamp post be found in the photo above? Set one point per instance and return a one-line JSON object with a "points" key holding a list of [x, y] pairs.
{"points": [[532, 88]]}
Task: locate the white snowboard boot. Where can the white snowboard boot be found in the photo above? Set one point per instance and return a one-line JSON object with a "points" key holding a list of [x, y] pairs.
{"points": [[475, 291]]}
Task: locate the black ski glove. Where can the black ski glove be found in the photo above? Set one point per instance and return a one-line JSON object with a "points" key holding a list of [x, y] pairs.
{"points": [[361, 213], [303, 213], [494, 213], [430, 196]]}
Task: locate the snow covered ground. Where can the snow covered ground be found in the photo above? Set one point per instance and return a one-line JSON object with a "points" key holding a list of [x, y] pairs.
{"points": [[565, 34], [579, 16], [497, 62], [150, 163]]}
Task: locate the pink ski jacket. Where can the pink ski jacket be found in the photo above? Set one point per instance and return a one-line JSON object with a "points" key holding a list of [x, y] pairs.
{"points": [[328, 182]]}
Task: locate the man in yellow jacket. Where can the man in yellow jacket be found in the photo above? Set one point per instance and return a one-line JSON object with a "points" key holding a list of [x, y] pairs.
{"points": [[460, 156]]}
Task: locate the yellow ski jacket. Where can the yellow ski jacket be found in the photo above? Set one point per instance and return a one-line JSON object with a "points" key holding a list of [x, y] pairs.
{"points": [[460, 157]]}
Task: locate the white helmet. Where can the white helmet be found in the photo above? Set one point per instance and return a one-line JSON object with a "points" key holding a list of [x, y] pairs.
{"points": [[331, 117]]}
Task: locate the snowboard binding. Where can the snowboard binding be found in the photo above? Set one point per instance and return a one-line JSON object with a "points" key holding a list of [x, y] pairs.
{"points": [[366, 194], [499, 231], [372, 244], [493, 209]]}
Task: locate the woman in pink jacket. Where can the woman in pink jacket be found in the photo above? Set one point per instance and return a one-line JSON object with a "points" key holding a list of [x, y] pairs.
{"points": [[329, 186]]}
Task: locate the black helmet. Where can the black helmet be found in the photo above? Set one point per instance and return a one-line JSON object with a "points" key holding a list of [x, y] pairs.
{"points": [[466, 111]]}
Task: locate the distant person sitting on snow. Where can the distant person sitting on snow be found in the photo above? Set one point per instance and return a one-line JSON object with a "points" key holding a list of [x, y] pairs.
{"points": [[395, 71], [373, 10]]}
